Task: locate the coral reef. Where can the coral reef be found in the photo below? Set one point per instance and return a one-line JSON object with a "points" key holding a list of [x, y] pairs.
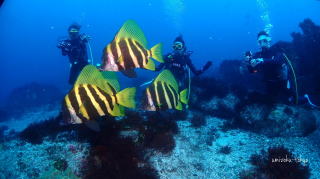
{"points": [[33, 95], [158, 132], [33, 161], [112, 156], [36, 132], [304, 53], [61, 164], [19, 123], [280, 120]]}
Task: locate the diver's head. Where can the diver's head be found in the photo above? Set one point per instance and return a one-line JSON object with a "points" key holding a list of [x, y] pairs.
{"points": [[74, 30], [179, 45], [264, 40]]}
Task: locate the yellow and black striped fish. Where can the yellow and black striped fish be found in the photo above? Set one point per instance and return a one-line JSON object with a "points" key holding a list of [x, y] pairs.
{"points": [[129, 50], [164, 94], [96, 94]]}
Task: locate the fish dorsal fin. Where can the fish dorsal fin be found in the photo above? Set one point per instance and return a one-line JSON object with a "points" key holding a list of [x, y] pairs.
{"points": [[167, 77], [112, 79], [91, 75], [131, 30]]}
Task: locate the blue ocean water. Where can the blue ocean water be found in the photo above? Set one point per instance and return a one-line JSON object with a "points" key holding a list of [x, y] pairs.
{"points": [[229, 129], [214, 30]]}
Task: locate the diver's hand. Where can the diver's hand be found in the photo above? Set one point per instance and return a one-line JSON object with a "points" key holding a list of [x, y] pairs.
{"points": [[61, 44], [254, 62], [206, 66], [86, 37]]}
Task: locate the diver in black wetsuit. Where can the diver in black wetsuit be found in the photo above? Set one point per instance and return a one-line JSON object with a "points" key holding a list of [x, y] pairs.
{"points": [[179, 61], [273, 67], [75, 48]]}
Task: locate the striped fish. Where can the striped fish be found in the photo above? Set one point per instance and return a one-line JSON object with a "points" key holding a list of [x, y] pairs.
{"points": [[163, 94], [129, 50], [95, 95]]}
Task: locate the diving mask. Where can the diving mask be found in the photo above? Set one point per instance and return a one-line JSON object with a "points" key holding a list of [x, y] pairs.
{"points": [[177, 46], [263, 39], [73, 31]]}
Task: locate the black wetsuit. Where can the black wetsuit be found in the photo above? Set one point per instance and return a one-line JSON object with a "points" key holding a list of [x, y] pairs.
{"points": [[76, 50], [178, 64], [275, 74]]}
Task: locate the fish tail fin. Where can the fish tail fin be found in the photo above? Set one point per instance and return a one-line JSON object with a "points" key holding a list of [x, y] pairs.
{"points": [[156, 52], [150, 65], [183, 96], [126, 97]]}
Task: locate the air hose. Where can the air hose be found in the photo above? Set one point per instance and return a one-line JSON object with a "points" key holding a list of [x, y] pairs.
{"points": [[90, 51], [310, 102], [294, 78]]}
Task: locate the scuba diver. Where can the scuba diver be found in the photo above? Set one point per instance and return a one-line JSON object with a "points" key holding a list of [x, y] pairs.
{"points": [[75, 48], [273, 67], [179, 61]]}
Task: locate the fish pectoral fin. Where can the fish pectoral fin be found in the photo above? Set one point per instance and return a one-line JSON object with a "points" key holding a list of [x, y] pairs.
{"points": [[129, 73], [126, 97], [117, 110], [150, 65], [93, 125], [156, 52], [179, 106], [131, 30]]}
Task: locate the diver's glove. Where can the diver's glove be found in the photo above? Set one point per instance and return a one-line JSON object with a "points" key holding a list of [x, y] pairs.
{"points": [[254, 62], [206, 66]]}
